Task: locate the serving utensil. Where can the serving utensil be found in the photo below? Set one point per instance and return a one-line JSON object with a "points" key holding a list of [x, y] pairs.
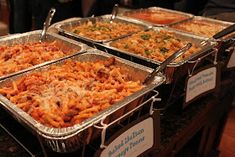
{"points": [[221, 33], [175, 55], [114, 13], [224, 32], [47, 23]]}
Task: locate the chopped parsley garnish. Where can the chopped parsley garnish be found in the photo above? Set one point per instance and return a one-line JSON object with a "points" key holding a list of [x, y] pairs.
{"points": [[167, 37], [104, 28], [145, 36], [147, 52], [93, 28], [97, 28], [76, 31], [177, 39], [163, 50], [126, 46]]}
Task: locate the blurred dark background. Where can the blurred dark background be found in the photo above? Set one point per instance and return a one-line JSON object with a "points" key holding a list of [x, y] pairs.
{"points": [[17, 16]]}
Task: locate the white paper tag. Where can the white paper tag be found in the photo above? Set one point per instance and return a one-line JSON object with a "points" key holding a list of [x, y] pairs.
{"points": [[200, 83], [231, 62], [133, 142]]}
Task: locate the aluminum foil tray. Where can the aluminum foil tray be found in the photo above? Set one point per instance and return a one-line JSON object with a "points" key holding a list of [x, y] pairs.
{"points": [[171, 68], [65, 28], [71, 138], [224, 45], [200, 19], [155, 16], [34, 36]]}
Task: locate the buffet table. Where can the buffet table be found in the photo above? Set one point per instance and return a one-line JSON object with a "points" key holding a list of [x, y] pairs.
{"points": [[193, 131], [183, 124]]}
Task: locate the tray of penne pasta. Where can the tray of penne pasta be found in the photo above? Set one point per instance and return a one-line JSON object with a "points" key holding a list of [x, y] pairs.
{"points": [[100, 29], [201, 26], [62, 101], [21, 52], [153, 46], [207, 27]]}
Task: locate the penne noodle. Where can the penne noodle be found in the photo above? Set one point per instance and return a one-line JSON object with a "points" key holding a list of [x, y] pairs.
{"points": [[154, 45], [104, 30], [21, 56], [64, 95]]}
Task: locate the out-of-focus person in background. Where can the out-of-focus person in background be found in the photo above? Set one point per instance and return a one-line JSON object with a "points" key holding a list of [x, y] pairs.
{"points": [[64, 9], [194, 7], [214, 7], [220, 9], [97, 7], [20, 18], [149, 3], [28, 14]]}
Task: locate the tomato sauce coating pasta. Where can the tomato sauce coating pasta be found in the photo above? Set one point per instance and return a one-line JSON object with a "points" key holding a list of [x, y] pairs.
{"points": [[21, 56], [67, 94], [154, 45], [102, 30]]}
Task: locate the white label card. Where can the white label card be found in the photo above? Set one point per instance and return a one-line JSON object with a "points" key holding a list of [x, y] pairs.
{"points": [[133, 141], [200, 83], [231, 62]]}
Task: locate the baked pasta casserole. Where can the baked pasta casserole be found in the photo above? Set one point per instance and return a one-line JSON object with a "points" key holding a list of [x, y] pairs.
{"points": [[154, 45], [200, 27], [21, 56], [104, 30], [67, 94]]}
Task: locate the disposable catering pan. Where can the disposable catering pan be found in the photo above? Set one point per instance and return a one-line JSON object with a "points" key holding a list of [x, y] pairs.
{"points": [[69, 47], [66, 28], [201, 26], [69, 139], [175, 70], [209, 28], [157, 16]]}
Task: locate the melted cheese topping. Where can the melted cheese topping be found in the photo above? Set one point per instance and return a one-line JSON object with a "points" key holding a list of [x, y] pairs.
{"points": [[68, 94]]}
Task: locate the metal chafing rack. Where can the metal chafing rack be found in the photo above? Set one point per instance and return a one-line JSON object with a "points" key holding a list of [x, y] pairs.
{"points": [[66, 27], [34, 36], [225, 44], [71, 138]]}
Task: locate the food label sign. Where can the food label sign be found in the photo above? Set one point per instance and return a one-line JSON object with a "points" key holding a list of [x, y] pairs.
{"points": [[135, 141], [201, 83], [231, 62]]}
